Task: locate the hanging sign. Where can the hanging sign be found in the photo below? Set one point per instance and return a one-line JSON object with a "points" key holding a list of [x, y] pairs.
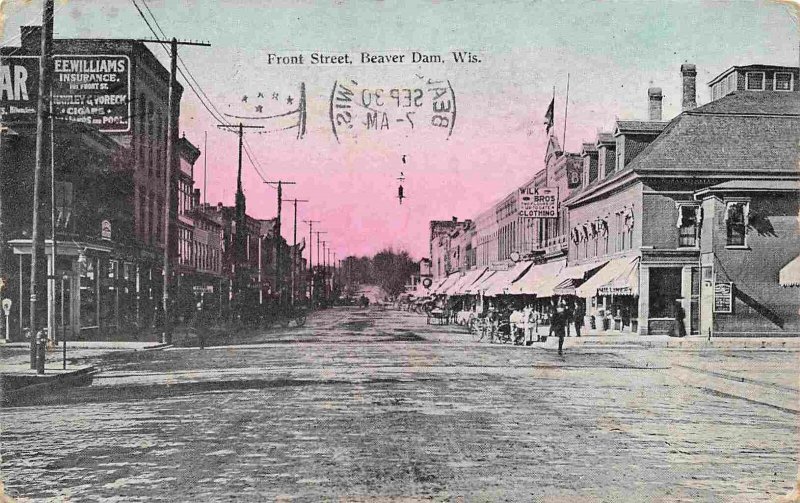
{"points": [[537, 203], [723, 298]]}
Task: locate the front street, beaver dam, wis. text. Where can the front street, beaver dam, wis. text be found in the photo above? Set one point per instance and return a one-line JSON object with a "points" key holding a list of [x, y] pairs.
{"points": [[368, 58]]}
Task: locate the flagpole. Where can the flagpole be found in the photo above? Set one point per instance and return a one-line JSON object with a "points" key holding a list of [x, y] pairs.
{"points": [[566, 108]]}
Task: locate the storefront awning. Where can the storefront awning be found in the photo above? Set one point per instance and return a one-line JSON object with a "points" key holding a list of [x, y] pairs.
{"points": [[437, 284], [502, 281], [618, 277], [539, 280], [790, 274], [447, 283], [571, 277], [466, 280], [481, 284]]}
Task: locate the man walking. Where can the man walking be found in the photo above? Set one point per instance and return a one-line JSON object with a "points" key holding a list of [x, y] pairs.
{"points": [[578, 315], [558, 326]]}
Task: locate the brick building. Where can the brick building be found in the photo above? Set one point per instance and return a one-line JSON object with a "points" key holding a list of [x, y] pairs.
{"points": [[652, 228], [110, 122]]}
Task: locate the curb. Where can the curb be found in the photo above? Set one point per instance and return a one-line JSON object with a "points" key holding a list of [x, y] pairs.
{"points": [[30, 392]]}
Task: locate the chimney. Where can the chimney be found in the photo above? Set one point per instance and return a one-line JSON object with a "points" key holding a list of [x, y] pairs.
{"points": [[455, 219], [689, 73], [654, 103], [31, 38]]}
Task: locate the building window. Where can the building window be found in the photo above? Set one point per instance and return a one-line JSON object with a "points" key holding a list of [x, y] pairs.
{"points": [[784, 81], [688, 225], [755, 81], [736, 222]]}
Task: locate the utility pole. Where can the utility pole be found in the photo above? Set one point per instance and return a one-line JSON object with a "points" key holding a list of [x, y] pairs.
{"points": [[241, 226], [278, 285], [319, 263], [324, 271], [294, 247], [173, 106], [41, 110], [3, 274], [310, 257]]}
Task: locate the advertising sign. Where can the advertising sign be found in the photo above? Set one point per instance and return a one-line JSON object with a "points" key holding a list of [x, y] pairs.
{"points": [[105, 230], [91, 89], [6, 306], [723, 298], [19, 85], [537, 203]]}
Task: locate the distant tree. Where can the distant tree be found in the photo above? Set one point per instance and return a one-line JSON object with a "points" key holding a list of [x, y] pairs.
{"points": [[392, 270], [387, 269]]}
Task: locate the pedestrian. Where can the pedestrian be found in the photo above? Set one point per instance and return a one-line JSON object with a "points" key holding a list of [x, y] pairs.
{"points": [[578, 315], [678, 328], [558, 326], [570, 315]]}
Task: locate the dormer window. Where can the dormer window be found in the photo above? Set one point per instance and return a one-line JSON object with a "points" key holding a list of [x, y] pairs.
{"points": [[784, 81], [754, 81]]}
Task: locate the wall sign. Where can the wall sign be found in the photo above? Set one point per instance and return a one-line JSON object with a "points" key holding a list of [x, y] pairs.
{"points": [[537, 203], [93, 89], [723, 297]]}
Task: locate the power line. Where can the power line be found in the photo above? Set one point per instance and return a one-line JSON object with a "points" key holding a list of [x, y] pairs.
{"points": [[180, 70]]}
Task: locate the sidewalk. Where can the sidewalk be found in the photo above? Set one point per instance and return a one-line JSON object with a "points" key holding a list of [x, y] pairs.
{"points": [[18, 381], [635, 341]]}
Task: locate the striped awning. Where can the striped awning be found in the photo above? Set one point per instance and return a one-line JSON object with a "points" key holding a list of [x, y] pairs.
{"points": [[460, 287], [447, 283], [618, 277], [502, 281], [540, 279], [790, 273], [481, 284]]}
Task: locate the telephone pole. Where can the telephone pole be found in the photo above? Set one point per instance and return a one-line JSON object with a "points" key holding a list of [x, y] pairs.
{"points": [[173, 105], [41, 110], [294, 247], [241, 225], [311, 257], [319, 264], [278, 285], [324, 271]]}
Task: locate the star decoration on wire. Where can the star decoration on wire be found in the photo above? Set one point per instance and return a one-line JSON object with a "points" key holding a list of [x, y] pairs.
{"points": [[259, 108], [289, 100], [244, 98], [274, 96], [260, 95]]}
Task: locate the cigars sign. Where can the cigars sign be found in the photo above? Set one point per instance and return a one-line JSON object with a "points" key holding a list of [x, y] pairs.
{"points": [[91, 89]]}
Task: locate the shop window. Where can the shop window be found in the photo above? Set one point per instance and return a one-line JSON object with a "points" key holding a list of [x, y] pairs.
{"points": [[736, 223], [755, 81], [688, 225], [783, 81]]}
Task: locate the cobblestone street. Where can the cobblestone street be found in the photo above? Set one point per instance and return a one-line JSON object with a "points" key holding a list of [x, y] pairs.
{"points": [[360, 405]]}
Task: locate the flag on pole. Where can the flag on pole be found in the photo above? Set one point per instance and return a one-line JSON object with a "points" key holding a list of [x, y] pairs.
{"points": [[548, 117]]}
